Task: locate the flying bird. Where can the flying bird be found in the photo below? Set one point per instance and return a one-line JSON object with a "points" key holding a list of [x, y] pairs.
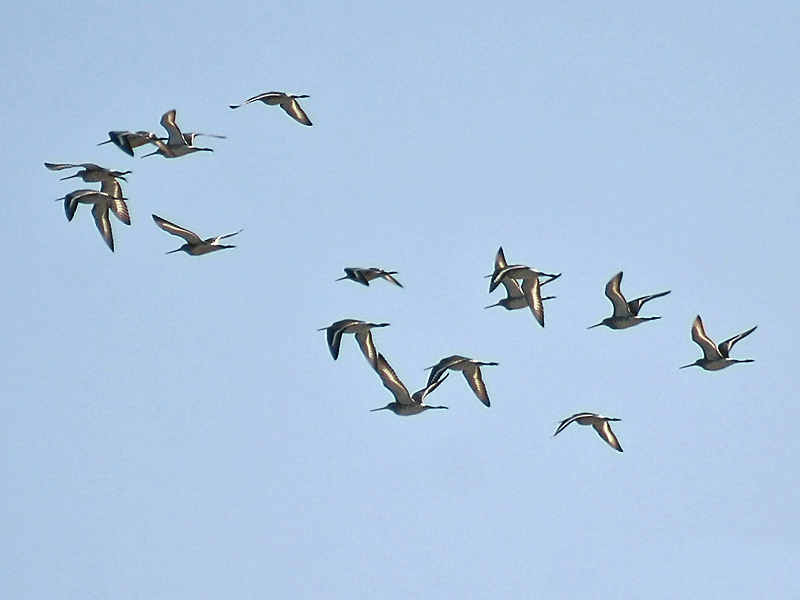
{"points": [[530, 288], [194, 245], [89, 172], [471, 370], [101, 203], [715, 357], [626, 314], [515, 298], [127, 141], [177, 143], [365, 275], [287, 102], [361, 329], [600, 424], [404, 404]]}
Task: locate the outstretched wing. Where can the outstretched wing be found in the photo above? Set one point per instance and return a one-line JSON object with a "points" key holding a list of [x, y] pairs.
{"points": [[636, 305], [265, 97], [292, 108], [614, 294], [190, 236], [392, 382], [475, 381], [603, 429], [710, 350], [100, 214], [533, 296], [168, 122], [725, 347]]}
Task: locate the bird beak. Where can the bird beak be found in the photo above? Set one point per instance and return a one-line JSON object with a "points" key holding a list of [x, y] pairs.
{"points": [[340, 278], [684, 366], [171, 251], [593, 326], [70, 177], [381, 408], [498, 304]]}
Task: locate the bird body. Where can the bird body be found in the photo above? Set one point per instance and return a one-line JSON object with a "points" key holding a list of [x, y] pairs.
{"points": [[600, 424], [288, 102], [715, 357], [195, 245], [626, 314], [365, 275]]}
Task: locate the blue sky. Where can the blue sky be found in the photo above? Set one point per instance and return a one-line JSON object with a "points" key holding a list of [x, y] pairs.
{"points": [[174, 426]]}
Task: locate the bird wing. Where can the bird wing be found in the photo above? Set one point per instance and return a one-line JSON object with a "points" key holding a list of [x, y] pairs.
{"points": [[358, 275], [437, 370], [120, 209], [725, 347], [533, 296], [334, 337], [263, 97], [614, 294], [190, 236], [634, 306], [388, 277], [62, 166], [122, 140], [392, 382], [475, 381], [572, 419], [513, 289], [70, 206], [500, 260], [292, 108], [603, 429], [710, 350], [100, 214], [216, 240], [499, 275], [364, 339], [118, 205], [174, 133], [548, 278], [419, 396], [188, 138]]}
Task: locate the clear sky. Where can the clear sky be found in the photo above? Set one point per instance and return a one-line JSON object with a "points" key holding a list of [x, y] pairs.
{"points": [[174, 426]]}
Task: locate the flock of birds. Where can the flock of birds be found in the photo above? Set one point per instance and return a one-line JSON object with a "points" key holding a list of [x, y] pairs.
{"points": [[109, 198], [523, 290], [522, 283]]}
